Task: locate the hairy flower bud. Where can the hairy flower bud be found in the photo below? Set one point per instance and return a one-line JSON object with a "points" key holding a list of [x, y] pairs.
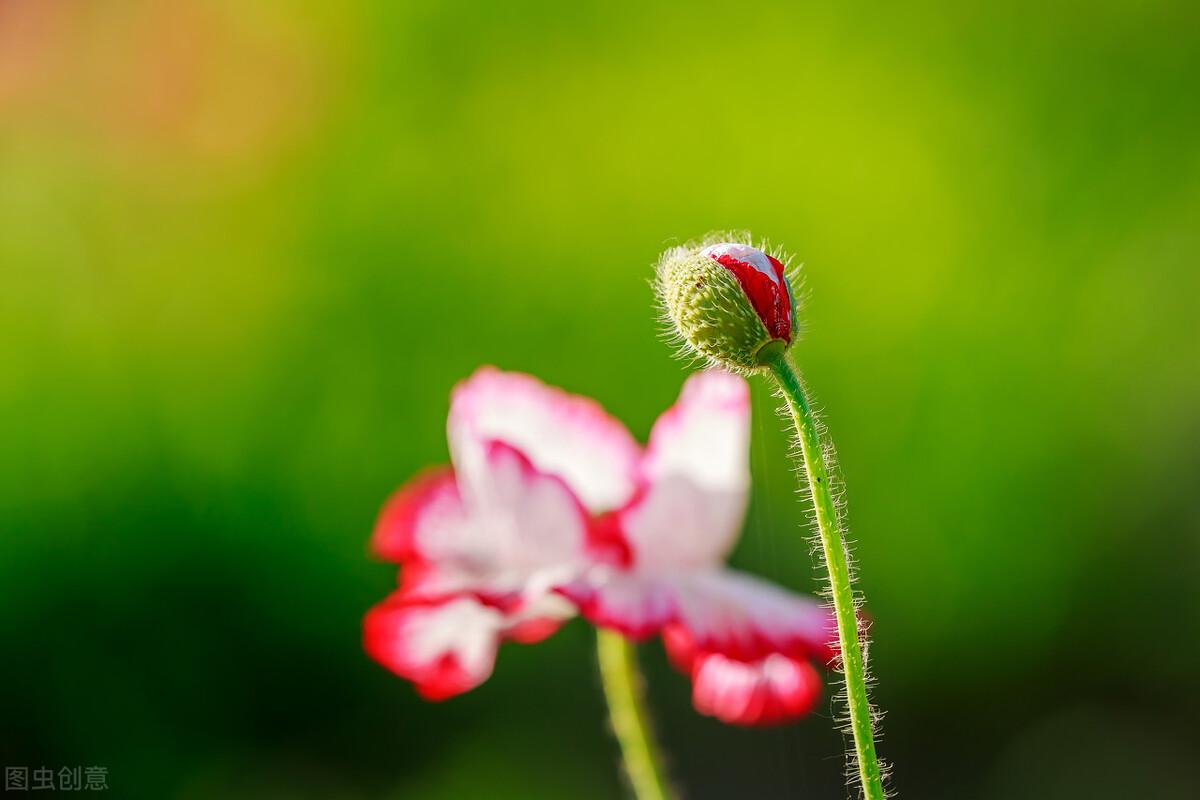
{"points": [[730, 302]]}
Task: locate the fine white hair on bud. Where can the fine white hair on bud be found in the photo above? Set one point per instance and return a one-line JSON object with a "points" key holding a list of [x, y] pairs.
{"points": [[728, 300]]}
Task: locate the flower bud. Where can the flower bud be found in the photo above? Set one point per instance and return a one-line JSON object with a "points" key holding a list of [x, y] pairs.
{"points": [[729, 301]]}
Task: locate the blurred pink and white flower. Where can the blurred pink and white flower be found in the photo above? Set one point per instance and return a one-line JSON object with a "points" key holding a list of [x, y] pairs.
{"points": [[485, 544], [746, 643], [552, 507]]}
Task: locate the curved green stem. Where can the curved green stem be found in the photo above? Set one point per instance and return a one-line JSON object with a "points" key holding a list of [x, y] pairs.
{"points": [[834, 545], [623, 688]]}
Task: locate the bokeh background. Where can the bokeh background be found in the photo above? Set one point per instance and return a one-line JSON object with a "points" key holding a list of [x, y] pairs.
{"points": [[247, 249]]}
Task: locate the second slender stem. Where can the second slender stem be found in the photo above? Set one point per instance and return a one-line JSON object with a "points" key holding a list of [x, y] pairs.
{"points": [[631, 723], [833, 544]]}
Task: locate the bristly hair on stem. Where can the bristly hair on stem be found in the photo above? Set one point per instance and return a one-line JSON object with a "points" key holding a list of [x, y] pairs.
{"points": [[732, 304], [821, 485]]}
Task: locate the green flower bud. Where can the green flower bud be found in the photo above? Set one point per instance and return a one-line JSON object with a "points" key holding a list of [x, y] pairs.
{"points": [[729, 302]]}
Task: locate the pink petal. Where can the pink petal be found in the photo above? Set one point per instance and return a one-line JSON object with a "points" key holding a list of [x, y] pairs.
{"points": [[762, 278], [768, 691], [562, 434], [632, 604], [606, 541], [532, 631], [744, 617], [720, 611], [680, 647], [525, 519], [518, 535], [537, 619], [449, 647], [444, 649], [697, 477], [429, 502]]}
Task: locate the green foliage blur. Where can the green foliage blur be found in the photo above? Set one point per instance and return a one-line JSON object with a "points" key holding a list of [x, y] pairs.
{"points": [[247, 249]]}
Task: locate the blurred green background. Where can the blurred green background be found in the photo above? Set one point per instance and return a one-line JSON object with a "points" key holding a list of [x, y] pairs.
{"points": [[247, 249]]}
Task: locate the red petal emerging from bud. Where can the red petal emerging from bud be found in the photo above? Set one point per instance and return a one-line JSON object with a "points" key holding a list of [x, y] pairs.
{"points": [[761, 278]]}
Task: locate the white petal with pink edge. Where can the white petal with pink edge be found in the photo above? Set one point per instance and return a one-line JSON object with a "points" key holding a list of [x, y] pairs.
{"points": [[746, 617], [445, 649], [636, 605], [520, 532], [722, 611], [449, 647], [697, 477], [566, 435], [426, 508]]}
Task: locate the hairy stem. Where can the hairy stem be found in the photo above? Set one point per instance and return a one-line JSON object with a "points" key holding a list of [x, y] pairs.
{"points": [[623, 689], [833, 544]]}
